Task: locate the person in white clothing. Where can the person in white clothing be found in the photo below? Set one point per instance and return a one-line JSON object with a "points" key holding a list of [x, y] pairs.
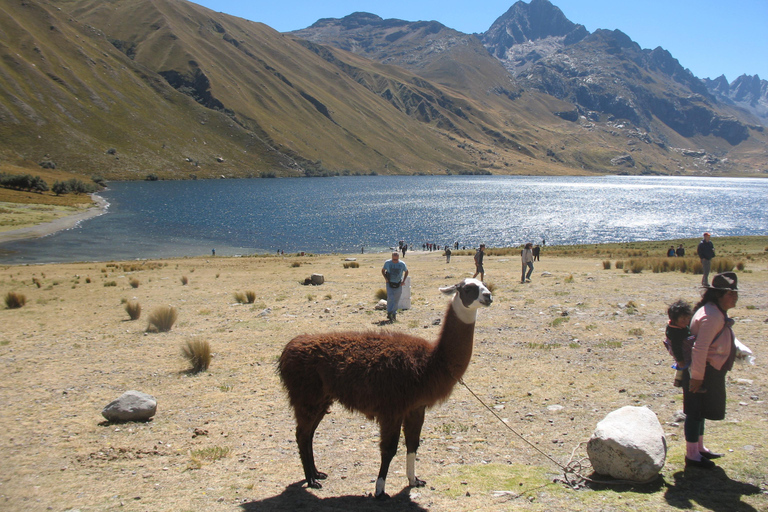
{"points": [[527, 257]]}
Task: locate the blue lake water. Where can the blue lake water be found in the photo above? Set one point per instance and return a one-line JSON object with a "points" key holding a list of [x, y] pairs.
{"points": [[324, 215]]}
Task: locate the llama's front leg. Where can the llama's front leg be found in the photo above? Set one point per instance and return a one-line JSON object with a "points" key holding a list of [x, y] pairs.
{"points": [[390, 436], [412, 429]]}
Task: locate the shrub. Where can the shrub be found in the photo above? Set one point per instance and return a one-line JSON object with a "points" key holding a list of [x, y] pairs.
{"points": [[198, 353], [295, 264], [15, 300], [184, 280], [569, 279], [250, 296], [110, 283], [740, 266], [380, 294], [133, 309], [620, 264], [240, 298], [607, 265], [351, 264], [491, 286], [636, 266], [722, 265], [163, 318], [134, 282]]}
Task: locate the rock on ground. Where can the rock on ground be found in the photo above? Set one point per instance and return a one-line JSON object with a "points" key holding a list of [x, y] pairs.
{"points": [[131, 406], [628, 444]]}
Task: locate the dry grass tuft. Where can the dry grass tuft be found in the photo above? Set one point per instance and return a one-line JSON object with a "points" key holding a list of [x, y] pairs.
{"points": [[351, 264], [184, 280], [134, 282], [380, 294], [133, 309], [163, 318], [250, 296], [607, 265], [198, 353], [240, 298], [14, 300]]}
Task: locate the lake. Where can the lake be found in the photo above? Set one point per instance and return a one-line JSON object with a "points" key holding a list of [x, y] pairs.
{"points": [[323, 215]]}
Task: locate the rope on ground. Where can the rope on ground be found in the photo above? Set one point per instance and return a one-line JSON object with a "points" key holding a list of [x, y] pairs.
{"points": [[572, 470]]}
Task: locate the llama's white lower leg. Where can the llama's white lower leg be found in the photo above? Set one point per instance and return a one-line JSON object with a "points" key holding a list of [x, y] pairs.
{"points": [[410, 468], [380, 486]]}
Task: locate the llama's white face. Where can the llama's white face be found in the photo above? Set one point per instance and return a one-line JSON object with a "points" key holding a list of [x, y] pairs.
{"points": [[472, 293]]}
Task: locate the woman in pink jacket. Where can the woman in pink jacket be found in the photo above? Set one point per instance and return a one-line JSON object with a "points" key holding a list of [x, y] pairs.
{"points": [[712, 357]]}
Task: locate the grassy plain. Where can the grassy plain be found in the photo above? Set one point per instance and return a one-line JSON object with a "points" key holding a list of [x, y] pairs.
{"points": [[552, 358]]}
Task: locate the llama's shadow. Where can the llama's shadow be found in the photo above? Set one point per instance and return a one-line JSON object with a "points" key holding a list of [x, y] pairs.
{"points": [[297, 497]]}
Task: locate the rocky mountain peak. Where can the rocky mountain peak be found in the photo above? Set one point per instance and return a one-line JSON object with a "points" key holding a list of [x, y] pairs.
{"points": [[537, 20]]}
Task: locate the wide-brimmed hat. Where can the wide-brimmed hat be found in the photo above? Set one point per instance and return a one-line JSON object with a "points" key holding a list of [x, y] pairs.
{"points": [[725, 281]]}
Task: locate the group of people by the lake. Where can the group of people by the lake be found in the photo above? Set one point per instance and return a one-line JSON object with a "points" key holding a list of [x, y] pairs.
{"points": [[704, 347]]}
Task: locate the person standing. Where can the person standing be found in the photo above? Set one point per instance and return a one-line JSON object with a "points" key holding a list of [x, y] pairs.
{"points": [[706, 251], [447, 254], [680, 251], [395, 272], [712, 356], [536, 252], [479, 262], [526, 255]]}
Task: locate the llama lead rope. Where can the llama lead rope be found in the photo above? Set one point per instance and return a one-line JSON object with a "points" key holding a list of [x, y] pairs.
{"points": [[567, 469]]}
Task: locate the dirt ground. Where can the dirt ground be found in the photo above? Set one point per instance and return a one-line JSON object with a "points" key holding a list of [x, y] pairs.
{"points": [[551, 358]]}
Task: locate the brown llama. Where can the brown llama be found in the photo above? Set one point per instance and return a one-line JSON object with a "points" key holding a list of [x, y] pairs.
{"points": [[387, 376]]}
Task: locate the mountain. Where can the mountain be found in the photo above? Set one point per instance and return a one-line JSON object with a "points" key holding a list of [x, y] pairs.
{"points": [[126, 88], [645, 98], [746, 92]]}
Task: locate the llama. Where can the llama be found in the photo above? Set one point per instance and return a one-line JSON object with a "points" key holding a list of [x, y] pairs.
{"points": [[387, 376]]}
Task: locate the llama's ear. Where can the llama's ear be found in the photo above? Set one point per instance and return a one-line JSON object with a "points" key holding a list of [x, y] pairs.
{"points": [[449, 289]]}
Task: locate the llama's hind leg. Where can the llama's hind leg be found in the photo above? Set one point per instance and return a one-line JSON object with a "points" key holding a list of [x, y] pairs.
{"points": [[412, 429], [307, 420], [390, 436]]}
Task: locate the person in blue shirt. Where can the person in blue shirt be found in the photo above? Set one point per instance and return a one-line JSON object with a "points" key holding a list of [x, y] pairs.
{"points": [[706, 251], [394, 272]]}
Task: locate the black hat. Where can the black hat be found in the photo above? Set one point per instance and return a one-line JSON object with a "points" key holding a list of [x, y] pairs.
{"points": [[725, 281]]}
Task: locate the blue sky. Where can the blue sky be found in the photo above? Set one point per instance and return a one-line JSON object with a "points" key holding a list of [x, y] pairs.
{"points": [[709, 37]]}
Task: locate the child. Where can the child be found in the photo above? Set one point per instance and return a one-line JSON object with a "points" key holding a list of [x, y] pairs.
{"points": [[680, 314]]}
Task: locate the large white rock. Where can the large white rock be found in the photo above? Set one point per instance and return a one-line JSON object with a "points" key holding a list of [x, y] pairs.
{"points": [[131, 406], [628, 444]]}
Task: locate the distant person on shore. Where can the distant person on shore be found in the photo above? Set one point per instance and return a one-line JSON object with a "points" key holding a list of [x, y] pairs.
{"points": [[536, 252], [362, 249], [671, 252], [447, 254], [213, 252], [394, 272], [706, 252], [456, 245], [679, 313], [404, 249], [479, 262], [526, 255], [680, 251]]}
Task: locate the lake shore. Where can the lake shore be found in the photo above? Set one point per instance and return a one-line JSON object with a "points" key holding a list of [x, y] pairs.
{"points": [[551, 357], [56, 225]]}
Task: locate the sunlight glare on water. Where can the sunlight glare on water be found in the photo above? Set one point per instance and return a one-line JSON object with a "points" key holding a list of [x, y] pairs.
{"points": [[186, 218]]}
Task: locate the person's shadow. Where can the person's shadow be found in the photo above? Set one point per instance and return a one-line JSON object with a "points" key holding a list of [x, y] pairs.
{"points": [[297, 497], [711, 489]]}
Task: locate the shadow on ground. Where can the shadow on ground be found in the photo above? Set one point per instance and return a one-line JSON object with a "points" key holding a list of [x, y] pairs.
{"points": [[710, 489], [297, 497]]}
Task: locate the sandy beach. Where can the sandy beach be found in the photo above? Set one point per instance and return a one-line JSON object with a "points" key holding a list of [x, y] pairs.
{"points": [[551, 357], [58, 224]]}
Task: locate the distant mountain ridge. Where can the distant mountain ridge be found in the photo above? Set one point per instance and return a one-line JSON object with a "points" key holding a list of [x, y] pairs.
{"points": [[124, 88]]}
